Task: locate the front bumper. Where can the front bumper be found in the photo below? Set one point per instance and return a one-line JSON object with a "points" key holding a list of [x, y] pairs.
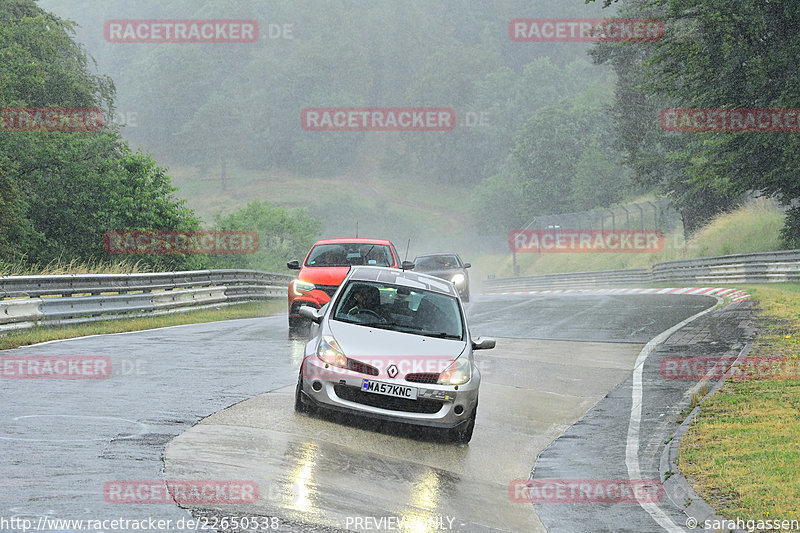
{"points": [[339, 389], [315, 299]]}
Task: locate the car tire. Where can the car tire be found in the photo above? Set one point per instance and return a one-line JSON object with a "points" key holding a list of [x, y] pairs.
{"points": [[465, 298], [463, 434], [299, 327], [299, 406]]}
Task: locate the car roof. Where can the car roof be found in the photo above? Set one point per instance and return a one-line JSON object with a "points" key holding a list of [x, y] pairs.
{"points": [[402, 277], [353, 241], [440, 253]]}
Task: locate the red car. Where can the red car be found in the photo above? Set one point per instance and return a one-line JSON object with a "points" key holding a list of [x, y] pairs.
{"points": [[324, 268]]}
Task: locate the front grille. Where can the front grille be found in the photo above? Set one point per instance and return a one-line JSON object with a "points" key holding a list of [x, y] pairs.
{"points": [[354, 394], [363, 368], [327, 289], [423, 377]]}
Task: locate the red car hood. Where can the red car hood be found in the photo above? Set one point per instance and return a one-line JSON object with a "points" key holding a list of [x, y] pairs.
{"points": [[323, 275]]}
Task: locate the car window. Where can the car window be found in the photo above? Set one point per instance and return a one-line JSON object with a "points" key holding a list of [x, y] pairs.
{"points": [[400, 308], [436, 262], [349, 254]]}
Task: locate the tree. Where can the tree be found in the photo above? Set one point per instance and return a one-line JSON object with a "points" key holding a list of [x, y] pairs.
{"points": [[61, 191], [562, 161], [722, 54], [283, 235]]}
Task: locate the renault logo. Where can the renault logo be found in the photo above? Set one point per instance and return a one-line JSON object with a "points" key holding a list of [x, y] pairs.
{"points": [[392, 371]]}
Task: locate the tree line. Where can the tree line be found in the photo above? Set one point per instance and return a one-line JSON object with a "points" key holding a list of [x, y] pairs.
{"points": [[61, 191], [715, 54]]}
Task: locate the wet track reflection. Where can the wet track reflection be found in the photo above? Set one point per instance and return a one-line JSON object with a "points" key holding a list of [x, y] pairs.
{"points": [[314, 473]]}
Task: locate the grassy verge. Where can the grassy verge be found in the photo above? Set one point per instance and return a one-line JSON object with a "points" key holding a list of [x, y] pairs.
{"points": [[73, 267], [741, 453], [754, 227], [383, 204], [47, 333]]}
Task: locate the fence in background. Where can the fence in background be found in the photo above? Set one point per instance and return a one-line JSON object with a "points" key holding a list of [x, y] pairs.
{"points": [[764, 267], [656, 215], [26, 301]]}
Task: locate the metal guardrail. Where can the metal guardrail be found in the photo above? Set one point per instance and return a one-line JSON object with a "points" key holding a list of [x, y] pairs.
{"points": [[762, 267], [26, 301]]}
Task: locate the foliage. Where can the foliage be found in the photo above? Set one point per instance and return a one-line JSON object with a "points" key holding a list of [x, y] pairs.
{"points": [[61, 191], [241, 103], [561, 161], [283, 235], [714, 54]]}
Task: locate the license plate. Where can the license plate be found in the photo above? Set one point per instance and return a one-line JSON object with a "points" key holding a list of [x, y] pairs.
{"points": [[389, 389]]}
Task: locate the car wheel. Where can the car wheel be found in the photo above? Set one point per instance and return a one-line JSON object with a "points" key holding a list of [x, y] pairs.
{"points": [[299, 406], [463, 434], [299, 327], [465, 297]]}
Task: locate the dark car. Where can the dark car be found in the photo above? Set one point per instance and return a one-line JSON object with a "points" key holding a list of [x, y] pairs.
{"points": [[447, 266]]}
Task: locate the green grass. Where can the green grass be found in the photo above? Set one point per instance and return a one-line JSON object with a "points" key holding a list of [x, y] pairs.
{"points": [[72, 267], [380, 203], [741, 453], [49, 333], [752, 228], [531, 264]]}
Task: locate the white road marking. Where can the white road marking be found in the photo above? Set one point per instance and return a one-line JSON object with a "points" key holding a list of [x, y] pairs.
{"points": [[632, 444]]}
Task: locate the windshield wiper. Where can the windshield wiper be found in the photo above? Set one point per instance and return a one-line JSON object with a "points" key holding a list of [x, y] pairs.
{"points": [[391, 325], [441, 335]]}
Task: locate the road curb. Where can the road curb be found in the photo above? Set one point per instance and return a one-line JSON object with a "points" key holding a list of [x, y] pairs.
{"points": [[731, 294], [676, 486]]}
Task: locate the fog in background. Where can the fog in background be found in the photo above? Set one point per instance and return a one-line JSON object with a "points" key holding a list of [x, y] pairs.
{"points": [[225, 118]]}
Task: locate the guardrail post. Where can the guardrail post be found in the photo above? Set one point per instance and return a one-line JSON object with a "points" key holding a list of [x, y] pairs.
{"points": [[641, 216]]}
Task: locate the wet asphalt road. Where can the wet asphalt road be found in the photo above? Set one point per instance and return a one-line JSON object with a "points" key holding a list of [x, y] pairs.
{"points": [[593, 448], [63, 440]]}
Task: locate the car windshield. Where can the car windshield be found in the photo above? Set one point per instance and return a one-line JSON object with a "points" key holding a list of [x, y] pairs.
{"points": [[435, 262], [349, 254], [400, 308]]}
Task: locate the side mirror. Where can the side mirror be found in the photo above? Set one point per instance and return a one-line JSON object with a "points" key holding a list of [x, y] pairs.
{"points": [[407, 265], [293, 265], [314, 315], [467, 265], [481, 343]]}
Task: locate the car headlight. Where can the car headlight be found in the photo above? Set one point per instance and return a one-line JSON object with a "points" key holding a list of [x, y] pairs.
{"points": [[299, 288], [458, 279], [458, 373], [329, 351]]}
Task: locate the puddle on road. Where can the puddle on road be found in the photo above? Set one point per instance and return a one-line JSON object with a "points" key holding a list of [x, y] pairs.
{"points": [[326, 474]]}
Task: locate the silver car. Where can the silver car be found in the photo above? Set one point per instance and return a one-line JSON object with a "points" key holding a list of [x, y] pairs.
{"points": [[393, 345]]}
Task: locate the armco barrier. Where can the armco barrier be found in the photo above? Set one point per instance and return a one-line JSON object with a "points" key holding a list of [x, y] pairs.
{"points": [[88, 297], [764, 267], [79, 306], [188, 297], [20, 310]]}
